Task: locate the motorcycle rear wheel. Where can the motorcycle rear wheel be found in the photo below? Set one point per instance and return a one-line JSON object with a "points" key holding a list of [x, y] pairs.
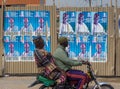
{"points": [[43, 87]]}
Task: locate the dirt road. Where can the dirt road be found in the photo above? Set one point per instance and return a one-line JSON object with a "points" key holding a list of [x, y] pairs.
{"points": [[24, 82]]}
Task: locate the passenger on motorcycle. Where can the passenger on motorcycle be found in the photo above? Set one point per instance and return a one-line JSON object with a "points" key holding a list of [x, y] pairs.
{"points": [[45, 62], [62, 60]]}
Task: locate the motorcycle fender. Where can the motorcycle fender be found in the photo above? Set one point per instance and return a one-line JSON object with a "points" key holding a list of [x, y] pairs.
{"points": [[100, 83]]}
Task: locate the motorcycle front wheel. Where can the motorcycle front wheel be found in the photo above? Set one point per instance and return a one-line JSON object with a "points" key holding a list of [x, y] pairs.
{"points": [[104, 86]]}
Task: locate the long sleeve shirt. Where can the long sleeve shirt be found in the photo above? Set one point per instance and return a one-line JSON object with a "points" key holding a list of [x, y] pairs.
{"points": [[62, 60]]}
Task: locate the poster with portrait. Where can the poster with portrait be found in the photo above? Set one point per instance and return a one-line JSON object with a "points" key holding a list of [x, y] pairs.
{"points": [[11, 25], [26, 21], [26, 51], [67, 22], [99, 37], [20, 27], [42, 23], [99, 23], [83, 48], [99, 52], [11, 51], [119, 25], [47, 41], [83, 23]]}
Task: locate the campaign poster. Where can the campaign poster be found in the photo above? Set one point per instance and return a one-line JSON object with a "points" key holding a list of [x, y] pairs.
{"points": [[11, 24], [83, 47], [99, 23], [119, 25], [99, 52], [47, 42], [67, 22], [83, 23], [99, 37], [11, 51], [26, 53], [71, 47], [26, 21], [42, 23]]}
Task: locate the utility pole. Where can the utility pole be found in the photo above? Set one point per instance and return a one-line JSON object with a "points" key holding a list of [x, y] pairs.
{"points": [[101, 3], [111, 3], [116, 3], [1, 38], [54, 2], [90, 3]]}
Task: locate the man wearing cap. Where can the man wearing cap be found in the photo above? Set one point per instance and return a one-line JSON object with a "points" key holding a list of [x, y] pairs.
{"points": [[62, 61]]}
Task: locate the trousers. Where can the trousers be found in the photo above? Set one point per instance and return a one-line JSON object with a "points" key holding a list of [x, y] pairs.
{"points": [[77, 77]]}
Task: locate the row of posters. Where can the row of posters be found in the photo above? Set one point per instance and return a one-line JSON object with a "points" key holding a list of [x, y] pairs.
{"points": [[83, 23], [20, 28], [87, 34]]}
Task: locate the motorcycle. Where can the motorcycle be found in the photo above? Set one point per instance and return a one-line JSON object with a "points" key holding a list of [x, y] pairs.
{"points": [[51, 83]]}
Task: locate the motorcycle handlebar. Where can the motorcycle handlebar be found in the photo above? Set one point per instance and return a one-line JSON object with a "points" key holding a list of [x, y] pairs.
{"points": [[86, 62]]}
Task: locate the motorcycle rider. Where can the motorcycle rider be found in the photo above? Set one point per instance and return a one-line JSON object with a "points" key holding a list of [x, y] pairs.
{"points": [[45, 62], [62, 60]]}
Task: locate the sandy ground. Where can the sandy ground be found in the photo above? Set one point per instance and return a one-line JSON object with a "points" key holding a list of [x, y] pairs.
{"points": [[17, 82]]}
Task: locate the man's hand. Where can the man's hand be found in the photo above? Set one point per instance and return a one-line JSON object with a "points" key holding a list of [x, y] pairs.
{"points": [[84, 62], [58, 81]]}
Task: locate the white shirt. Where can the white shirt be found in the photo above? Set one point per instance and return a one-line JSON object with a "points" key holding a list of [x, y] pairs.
{"points": [[82, 28], [83, 56], [65, 28], [98, 28], [27, 29], [14, 28], [15, 53], [30, 53], [40, 31], [101, 55]]}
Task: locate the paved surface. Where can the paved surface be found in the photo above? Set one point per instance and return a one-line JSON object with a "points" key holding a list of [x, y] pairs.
{"points": [[24, 82]]}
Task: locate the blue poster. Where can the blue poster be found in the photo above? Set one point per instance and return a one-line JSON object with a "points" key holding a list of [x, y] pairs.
{"points": [[11, 24], [42, 20], [99, 37], [19, 29], [119, 25], [99, 23], [26, 18], [87, 34], [11, 51], [99, 52], [83, 23], [83, 48], [26, 51], [67, 22]]}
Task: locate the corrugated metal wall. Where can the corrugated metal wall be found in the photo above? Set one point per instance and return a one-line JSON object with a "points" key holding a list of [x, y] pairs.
{"points": [[118, 42], [101, 69], [16, 2], [30, 67], [1, 15], [107, 68]]}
